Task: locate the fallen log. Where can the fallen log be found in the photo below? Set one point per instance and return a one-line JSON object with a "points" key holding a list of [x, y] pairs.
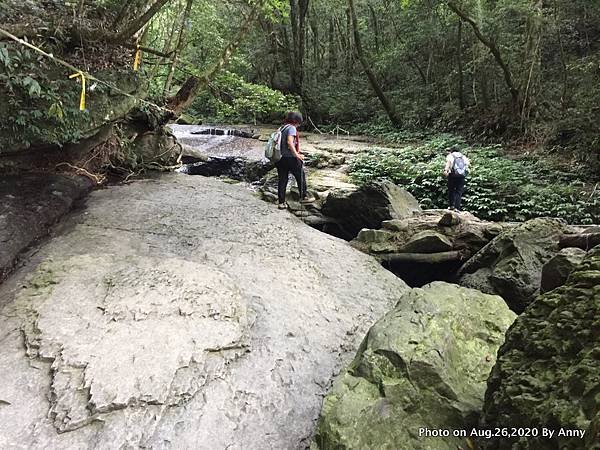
{"points": [[423, 258], [585, 241]]}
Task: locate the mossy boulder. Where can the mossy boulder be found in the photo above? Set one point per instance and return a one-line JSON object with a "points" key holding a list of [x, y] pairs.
{"points": [[511, 264], [556, 271], [548, 370], [423, 365]]}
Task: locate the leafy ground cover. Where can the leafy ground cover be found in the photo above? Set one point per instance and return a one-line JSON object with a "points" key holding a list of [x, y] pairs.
{"points": [[498, 188]]}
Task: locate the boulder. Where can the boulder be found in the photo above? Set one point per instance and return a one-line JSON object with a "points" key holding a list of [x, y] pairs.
{"points": [[395, 225], [548, 370], [423, 365], [181, 312], [556, 271], [155, 148], [190, 155], [449, 219], [373, 236], [368, 206], [427, 241], [511, 264]]}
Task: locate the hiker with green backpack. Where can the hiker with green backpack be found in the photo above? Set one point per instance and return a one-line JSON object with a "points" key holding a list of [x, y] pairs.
{"points": [[456, 170], [283, 149]]}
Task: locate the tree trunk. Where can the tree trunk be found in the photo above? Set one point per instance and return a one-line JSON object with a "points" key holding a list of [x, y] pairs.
{"points": [[192, 86], [385, 102], [138, 24], [178, 47], [585, 241], [332, 48], [564, 102], [298, 11], [460, 68], [423, 258], [494, 50], [375, 27]]}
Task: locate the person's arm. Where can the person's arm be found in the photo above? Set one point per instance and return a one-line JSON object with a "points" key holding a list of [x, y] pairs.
{"points": [[292, 146], [448, 167]]}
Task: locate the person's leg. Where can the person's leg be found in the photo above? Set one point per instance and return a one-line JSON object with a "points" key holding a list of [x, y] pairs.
{"points": [[298, 173], [304, 184], [282, 173], [451, 192], [460, 189]]}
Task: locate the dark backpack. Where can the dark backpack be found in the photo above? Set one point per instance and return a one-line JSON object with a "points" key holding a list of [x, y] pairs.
{"points": [[459, 166]]}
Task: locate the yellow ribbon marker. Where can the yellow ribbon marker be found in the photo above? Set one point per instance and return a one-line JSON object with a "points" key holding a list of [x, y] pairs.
{"points": [[82, 98], [137, 59]]}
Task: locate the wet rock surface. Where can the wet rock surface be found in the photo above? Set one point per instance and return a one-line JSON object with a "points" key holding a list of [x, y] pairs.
{"points": [[230, 153], [30, 203], [181, 312], [424, 365], [548, 370], [342, 208]]}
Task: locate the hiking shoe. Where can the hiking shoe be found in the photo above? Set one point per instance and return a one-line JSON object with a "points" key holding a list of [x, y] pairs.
{"points": [[282, 206], [308, 199]]}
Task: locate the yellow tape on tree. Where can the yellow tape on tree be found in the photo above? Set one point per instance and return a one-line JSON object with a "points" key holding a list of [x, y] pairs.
{"points": [[82, 97], [79, 73], [137, 59]]}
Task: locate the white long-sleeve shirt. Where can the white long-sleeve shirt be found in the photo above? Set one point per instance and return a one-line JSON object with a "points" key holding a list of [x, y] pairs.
{"points": [[450, 161]]}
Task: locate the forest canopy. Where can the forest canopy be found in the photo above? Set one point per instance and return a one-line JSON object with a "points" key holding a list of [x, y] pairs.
{"points": [[522, 71]]}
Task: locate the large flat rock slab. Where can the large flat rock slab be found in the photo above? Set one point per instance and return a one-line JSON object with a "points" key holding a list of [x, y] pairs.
{"points": [[181, 312]]}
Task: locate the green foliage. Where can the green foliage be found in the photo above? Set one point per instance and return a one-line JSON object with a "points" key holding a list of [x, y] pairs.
{"points": [[34, 109], [498, 188], [231, 99]]}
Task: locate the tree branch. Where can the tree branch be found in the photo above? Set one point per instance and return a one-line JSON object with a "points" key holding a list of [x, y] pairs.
{"points": [[493, 48], [188, 92], [385, 102]]}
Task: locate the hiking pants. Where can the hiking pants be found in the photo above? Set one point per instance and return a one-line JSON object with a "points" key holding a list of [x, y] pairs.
{"points": [[456, 187], [285, 166]]}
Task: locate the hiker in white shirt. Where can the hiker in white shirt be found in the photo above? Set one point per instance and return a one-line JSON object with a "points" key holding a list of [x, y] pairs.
{"points": [[456, 170]]}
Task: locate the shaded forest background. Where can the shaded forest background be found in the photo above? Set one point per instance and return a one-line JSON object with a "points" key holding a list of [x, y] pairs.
{"points": [[524, 72]]}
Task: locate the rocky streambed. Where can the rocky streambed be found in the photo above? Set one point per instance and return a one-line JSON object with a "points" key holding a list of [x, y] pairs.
{"points": [[424, 367], [187, 312]]}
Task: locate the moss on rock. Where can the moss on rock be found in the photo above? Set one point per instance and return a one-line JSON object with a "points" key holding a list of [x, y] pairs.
{"points": [[424, 365], [548, 370]]}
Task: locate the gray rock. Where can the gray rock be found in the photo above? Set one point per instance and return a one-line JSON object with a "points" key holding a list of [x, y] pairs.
{"points": [[427, 241], [548, 370], [30, 203], [470, 240], [395, 225], [449, 219], [424, 365], [511, 264], [181, 312], [556, 271], [233, 167], [369, 206], [373, 236]]}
